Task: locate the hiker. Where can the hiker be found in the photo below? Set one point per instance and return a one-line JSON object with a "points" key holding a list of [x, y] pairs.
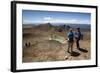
{"points": [[70, 40], [78, 37]]}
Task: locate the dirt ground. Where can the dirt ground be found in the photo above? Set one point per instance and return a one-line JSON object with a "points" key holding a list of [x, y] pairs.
{"points": [[41, 49]]}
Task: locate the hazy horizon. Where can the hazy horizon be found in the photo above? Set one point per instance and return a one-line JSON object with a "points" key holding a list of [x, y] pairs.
{"points": [[54, 24]]}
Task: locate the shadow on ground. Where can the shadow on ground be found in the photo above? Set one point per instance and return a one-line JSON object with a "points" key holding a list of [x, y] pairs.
{"points": [[83, 50], [75, 54]]}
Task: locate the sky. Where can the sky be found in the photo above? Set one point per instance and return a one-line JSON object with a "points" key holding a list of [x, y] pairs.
{"points": [[34, 16]]}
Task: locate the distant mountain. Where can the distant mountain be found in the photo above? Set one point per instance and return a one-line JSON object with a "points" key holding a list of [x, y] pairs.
{"points": [[82, 26], [44, 27], [35, 25], [60, 25], [28, 25]]}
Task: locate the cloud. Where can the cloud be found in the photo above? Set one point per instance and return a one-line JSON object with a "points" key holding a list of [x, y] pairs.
{"points": [[47, 18], [51, 20], [84, 21], [31, 21], [74, 21]]}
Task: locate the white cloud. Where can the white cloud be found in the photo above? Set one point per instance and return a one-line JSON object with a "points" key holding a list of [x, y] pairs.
{"points": [[51, 20], [31, 21], [84, 21], [47, 18], [74, 21]]}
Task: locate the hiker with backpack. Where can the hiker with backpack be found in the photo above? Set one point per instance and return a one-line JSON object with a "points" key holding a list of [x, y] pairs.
{"points": [[70, 36]]}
